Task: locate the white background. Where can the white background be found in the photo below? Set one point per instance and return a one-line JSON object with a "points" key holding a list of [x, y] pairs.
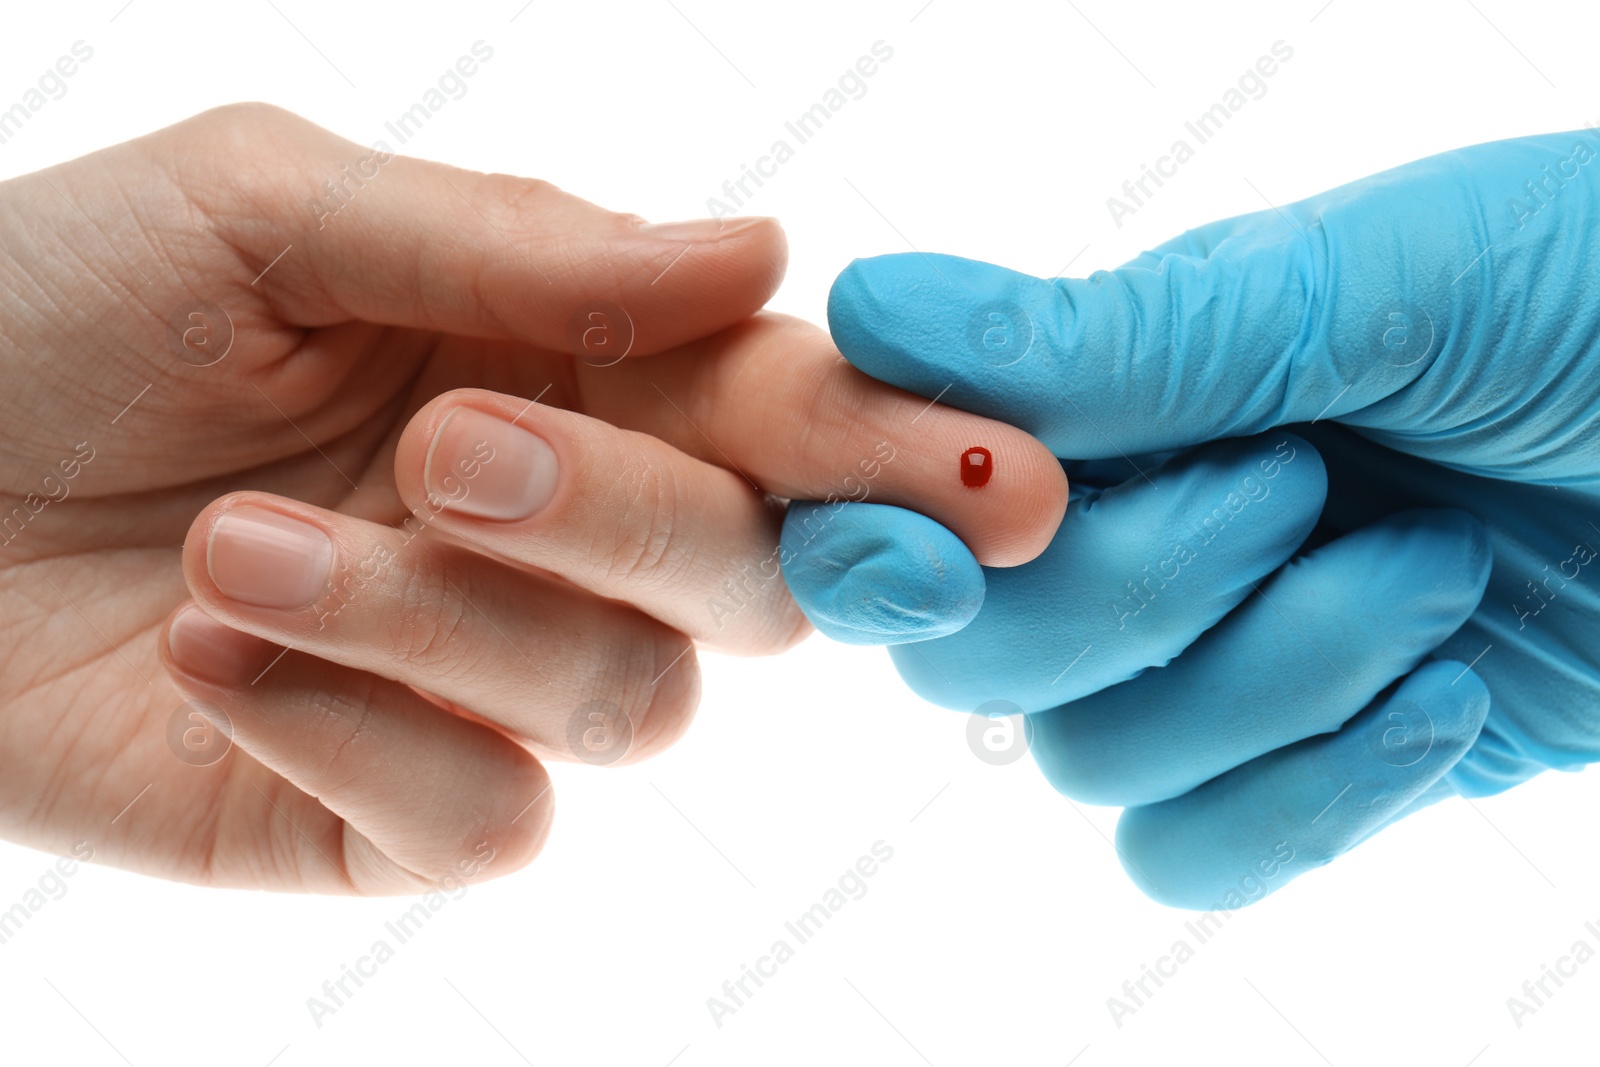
{"points": [[1003, 921]]}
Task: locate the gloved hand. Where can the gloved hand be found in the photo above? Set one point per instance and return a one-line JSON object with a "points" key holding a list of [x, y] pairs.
{"points": [[1440, 325]]}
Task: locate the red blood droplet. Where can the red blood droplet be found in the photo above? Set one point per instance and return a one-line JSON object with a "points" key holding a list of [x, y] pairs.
{"points": [[976, 467]]}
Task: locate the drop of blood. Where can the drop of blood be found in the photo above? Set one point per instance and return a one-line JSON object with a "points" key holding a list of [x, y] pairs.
{"points": [[976, 467]]}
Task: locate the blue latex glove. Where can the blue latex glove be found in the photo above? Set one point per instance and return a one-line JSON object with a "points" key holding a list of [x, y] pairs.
{"points": [[1440, 323]]}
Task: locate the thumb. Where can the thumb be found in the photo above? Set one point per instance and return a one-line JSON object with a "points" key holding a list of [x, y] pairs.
{"points": [[366, 234]]}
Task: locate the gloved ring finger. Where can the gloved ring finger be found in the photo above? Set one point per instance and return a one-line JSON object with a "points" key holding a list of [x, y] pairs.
{"points": [[1319, 641]]}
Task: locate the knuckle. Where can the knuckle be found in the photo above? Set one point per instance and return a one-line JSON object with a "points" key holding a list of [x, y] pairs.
{"points": [[527, 201], [836, 410], [253, 113], [644, 545], [244, 131], [431, 623], [343, 717], [235, 163], [530, 194]]}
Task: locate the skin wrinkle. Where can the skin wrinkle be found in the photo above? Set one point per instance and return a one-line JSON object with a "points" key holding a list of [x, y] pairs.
{"points": [[390, 876], [424, 289], [293, 838], [843, 413], [65, 304], [332, 706], [644, 557], [577, 260], [550, 270], [57, 671], [478, 292], [11, 272], [60, 781], [424, 629], [280, 379], [124, 263], [224, 221], [429, 616], [804, 394]]}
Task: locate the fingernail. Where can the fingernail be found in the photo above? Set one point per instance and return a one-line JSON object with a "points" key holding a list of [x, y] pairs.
{"points": [[263, 558], [206, 648], [702, 229], [483, 466]]}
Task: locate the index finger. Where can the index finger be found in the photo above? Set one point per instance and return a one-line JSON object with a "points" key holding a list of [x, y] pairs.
{"points": [[772, 400]]}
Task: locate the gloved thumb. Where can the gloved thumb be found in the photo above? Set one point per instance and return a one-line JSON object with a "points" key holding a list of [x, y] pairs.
{"points": [[1175, 350]]}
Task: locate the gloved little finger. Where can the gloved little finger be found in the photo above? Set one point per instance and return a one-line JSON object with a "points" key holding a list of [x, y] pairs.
{"points": [[1248, 833]]}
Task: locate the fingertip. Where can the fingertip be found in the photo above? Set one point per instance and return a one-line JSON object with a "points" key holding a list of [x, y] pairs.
{"points": [[196, 647], [1143, 843], [698, 277], [674, 699], [851, 302], [914, 289], [882, 575], [1476, 552], [754, 247], [1017, 529], [528, 811], [887, 315], [1314, 471], [1439, 559], [1457, 701], [850, 296], [996, 487]]}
